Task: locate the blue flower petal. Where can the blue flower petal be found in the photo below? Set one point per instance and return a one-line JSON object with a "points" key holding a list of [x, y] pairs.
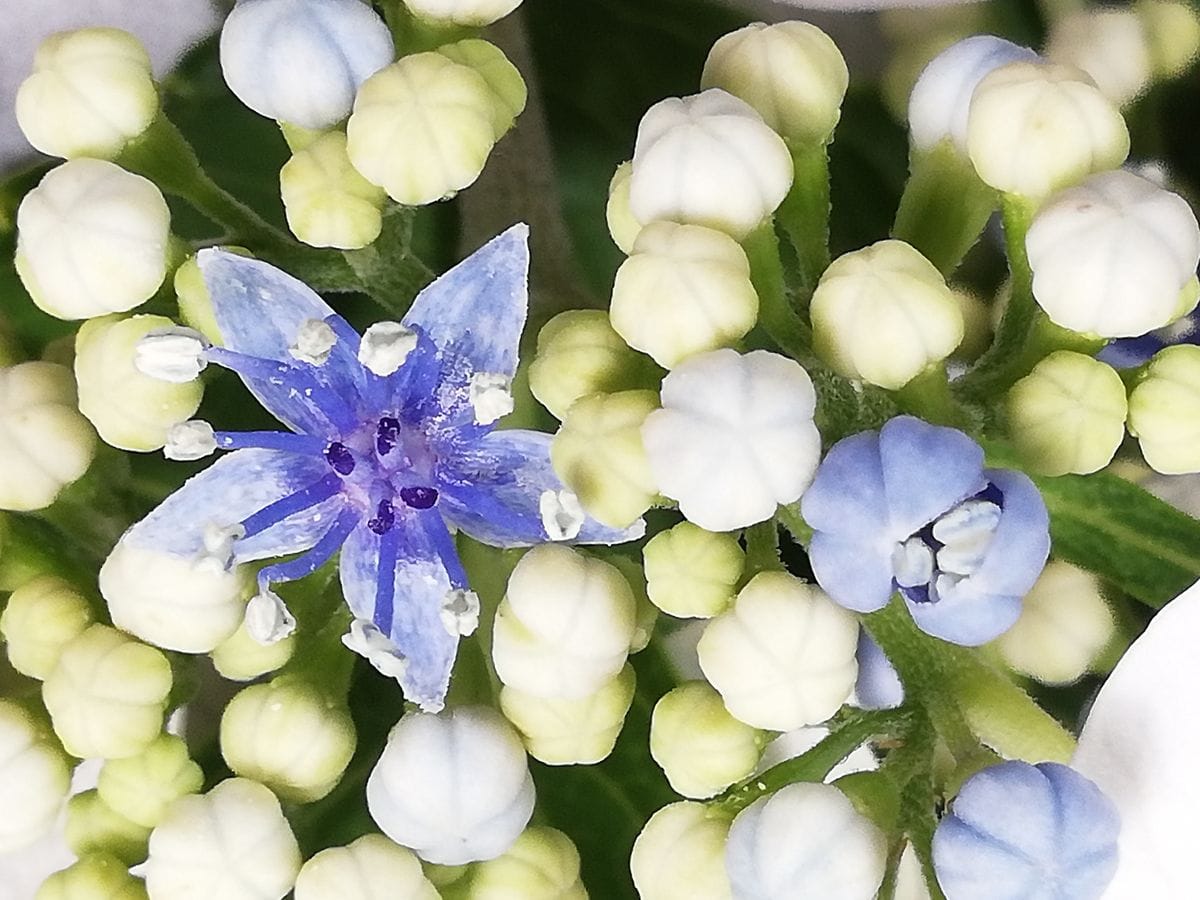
{"points": [[927, 469], [967, 615], [1021, 544], [878, 685], [847, 495], [856, 575]]}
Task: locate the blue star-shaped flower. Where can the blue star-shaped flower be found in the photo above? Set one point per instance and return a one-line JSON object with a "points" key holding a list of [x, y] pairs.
{"points": [[392, 447]]}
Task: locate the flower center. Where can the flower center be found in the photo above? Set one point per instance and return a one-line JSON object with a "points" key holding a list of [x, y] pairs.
{"points": [[949, 549]]}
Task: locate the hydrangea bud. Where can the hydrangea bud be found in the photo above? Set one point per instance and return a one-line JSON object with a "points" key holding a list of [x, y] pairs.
{"points": [[1115, 256], [622, 226], [107, 694], [598, 454], [792, 73], [693, 573], [96, 876], [699, 745], [454, 787], [301, 61], [328, 204], [289, 736], [95, 827], [92, 239], [1173, 30], [422, 128], [1164, 410], [1109, 44], [45, 444], [543, 864], [708, 160], [565, 625], [242, 658], [141, 787], [685, 289], [505, 82], [370, 868], [1035, 127], [679, 854], [91, 93], [42, 616], [571, 731], [34, 778], [783, 656], [474, 13], [232, 843]]}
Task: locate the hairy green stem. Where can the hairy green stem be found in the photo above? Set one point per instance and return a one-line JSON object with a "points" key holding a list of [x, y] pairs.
{"points": [[804, 213]]}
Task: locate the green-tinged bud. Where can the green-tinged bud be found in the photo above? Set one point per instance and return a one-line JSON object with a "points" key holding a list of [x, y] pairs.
{"points": [[370, 868], [1068, 414], [1173, 30], [35, 777], [141, 787], [290, 736], [680, 854], [884, 314], [598, 454], [691, 572], [1164, 410], [242, 658], [622, 226], [97, 876], [107, 695], [195, 304], [542, 864], [1109, 44], [1065, 624], [95, 827], [686, 289], [570, 731], [471, 13], [328, 204], [42, 617], [646, 617], [505, 82], [699, 745]]}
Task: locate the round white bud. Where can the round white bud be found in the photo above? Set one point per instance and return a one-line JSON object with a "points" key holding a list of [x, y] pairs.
{"points": [[92, 826], [96, 876], [1114, 256], [474, 13], [679, 854], [783, 656], [35, 778], [426, 790], [370, 868], [1067, 415], [42, 616], [91, 93], [242, 658], [543, 864], [503, 79], [1164, 410], [1109, 44], [692, 573], [46, 443], [328, 204], [708, 160], [232, 843], [141, 787], [1173, 31], [301, 61], [622, 226]]}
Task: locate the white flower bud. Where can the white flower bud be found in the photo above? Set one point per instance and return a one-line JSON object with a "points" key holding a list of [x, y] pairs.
{"points": [[141, 787], [735, 437], [1164, 411], [97, 876], [1173, 30], [543, 864], [805, 840], [241, 658], [1037, 127], [422, 128], [93, 826], [783, 656], [699, 745], [45, 444], [328, 204], [42, 616], [34, 778], [1114, 256], [370, 868], [685, 289], [884, 314], [622, 226], [107, 694], [232, 843], [565, 624], [91, 93], [571, 731], [1064, 626], [792, 73], [1109, 44], [461, 12], [301, 61], [503, 79], [426, 791], [92, 239], [693, 573], [679, 854], [708, 160], [1067, 415]]}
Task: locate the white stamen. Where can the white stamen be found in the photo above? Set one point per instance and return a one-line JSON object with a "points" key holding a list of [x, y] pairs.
{"points": [[491, 396], [944, 586], [368, 641], [912, 563], [967, 533], [189, 441], [171, 354], [460, 612], [314, 342], [219, 540], [268, 620], [562, 516], [385, 346]]}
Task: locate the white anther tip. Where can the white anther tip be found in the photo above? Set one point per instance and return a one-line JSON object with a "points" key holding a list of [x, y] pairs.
{"points": [[315, 340], [190, 441], [268, 620], [460, 612], [562, 515], [172, 354], [385, 346], [491, 396]]}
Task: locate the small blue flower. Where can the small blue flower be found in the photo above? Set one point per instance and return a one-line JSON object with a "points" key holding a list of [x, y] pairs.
{"points": [[1022, 832], [392, 447], [911, 508]]}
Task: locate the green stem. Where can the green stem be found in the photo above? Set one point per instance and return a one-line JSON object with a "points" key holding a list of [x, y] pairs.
{"points": [[804, 213], [928, 396], [789, 517], [762, 548], [775, 313]]}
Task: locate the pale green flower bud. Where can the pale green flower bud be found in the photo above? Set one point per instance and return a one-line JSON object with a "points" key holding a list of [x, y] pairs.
{"points": [[884, 314], [370, 868], [95, 827], [328, 204], [1110, 44], [699, 745], [474, 13], [91, 93], [141, 787], [232, 843], [543, 864], [242, 658], [680, 854], [42, 617], [290, 736], [505, 82], [97, 876], [422, 128], [1068, 414], [598, 454], [1164, 410], [1173, 29], [45, 444], [107, 694], [195, 304], [792, 73], [686, 289], [571, 731], [92, 239], [647, 615], [693, 573], [35, 778], [622, 226]]}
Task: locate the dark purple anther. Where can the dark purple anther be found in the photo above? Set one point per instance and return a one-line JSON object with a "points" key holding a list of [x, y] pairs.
{"points": [[340, 458], [384, 519], [419, 497], [387, 435]]}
